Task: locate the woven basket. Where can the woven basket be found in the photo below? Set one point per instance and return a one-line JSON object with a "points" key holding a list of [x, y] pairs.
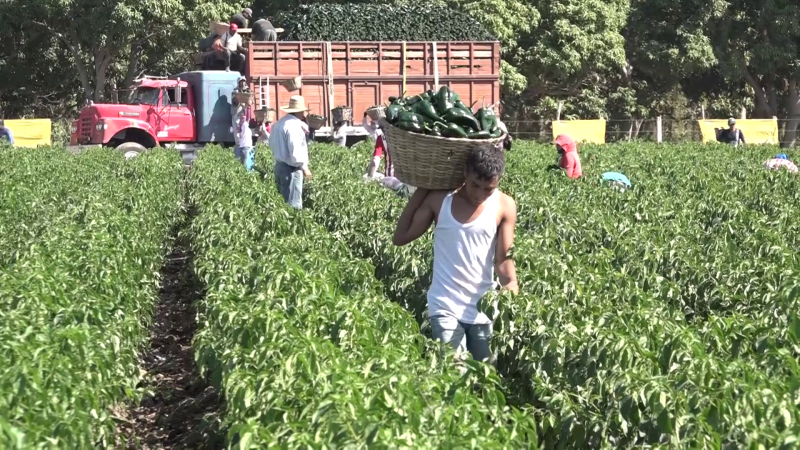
{"points": [[431, 162], [294, 84], [220, 28], [316, 122], [243, 98], [376, 113], [342, 113], [265, 114]]}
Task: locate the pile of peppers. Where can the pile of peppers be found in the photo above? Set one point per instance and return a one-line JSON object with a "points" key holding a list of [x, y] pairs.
{"points": [[442, 114]]}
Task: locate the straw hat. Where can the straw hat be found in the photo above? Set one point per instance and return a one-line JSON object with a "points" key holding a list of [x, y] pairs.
{"points": [[296, 104]]}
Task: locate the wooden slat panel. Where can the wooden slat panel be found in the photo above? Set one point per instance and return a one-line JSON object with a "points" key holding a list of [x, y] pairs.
{"points": [[364, 96]]}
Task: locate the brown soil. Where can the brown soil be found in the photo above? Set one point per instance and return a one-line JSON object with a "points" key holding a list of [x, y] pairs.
{"points": [[180, 410]]}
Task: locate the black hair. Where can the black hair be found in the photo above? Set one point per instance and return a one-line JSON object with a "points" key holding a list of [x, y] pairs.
{"points": [[487, 163]]}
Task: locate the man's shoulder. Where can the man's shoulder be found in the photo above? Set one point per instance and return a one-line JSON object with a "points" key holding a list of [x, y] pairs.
{"points": [[507, 203]]}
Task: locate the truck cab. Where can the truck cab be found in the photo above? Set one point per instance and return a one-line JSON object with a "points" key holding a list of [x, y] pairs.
{"points": [[185, 111]]}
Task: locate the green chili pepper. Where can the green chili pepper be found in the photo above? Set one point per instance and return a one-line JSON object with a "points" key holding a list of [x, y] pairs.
{"points": [[393, 113], [410, 126], [392, 99], [410, 116], [496, 133], [454, 131], [413, 100], [462, 118], [479, 135], [424, 108], [444, 99], [460, 105], [487, 118]]}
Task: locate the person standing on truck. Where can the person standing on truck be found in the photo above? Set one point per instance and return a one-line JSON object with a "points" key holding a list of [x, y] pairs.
{"points": [[472, 238], [290, 150], [240, 19], [231, 49], [5, 133], [263, 31]]}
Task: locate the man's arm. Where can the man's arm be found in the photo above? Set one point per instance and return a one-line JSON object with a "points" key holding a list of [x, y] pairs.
{"points": [[741, 136], [504, 265], [415, 220], [296, 140]]}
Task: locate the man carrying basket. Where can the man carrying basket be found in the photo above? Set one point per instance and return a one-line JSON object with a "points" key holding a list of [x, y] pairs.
{"points": [[472, 237]]}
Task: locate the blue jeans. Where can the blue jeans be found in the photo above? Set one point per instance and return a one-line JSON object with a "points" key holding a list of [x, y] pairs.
{"points": [[246, 155], [463, 336], [290, 183]]}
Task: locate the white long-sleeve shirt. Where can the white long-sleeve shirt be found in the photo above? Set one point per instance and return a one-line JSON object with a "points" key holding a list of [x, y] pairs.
{"points": [[288, 141], [372, 128]]}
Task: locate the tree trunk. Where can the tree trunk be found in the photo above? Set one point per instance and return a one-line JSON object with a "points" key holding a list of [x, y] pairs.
{"points": [[793, 113]]}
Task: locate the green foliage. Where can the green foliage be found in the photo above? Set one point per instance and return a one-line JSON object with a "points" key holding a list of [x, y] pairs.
{"points": [[367, 22], [305, 348], [664, 315], [81, 240]]}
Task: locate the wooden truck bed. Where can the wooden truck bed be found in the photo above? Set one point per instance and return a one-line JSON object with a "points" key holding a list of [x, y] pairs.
{"points": [[363, 74]]}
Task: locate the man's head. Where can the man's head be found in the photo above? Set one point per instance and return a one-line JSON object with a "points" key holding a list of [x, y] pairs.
{"points": [[242, 82], [234, 28], [483, 170], [732, 123], [247, 13]]}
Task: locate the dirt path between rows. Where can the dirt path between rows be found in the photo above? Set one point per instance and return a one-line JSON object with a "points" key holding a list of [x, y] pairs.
{"points": [[181, 410]]}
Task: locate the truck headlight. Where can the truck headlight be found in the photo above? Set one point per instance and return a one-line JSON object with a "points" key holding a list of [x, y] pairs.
{"points": [[74, 129], [101, 126]]}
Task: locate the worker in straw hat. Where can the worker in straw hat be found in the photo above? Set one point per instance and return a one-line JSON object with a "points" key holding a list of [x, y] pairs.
{"points": [[290, 149]]}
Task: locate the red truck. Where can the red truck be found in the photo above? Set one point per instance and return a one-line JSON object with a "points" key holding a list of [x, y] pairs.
{"points": [[192, 109]]}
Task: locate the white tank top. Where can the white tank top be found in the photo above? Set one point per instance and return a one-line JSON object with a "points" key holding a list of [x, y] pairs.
{"points": [[463, 262]]}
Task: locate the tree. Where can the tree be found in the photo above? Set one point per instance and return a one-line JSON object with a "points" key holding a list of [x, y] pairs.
{"points": [[759, 41], [102, 36]]}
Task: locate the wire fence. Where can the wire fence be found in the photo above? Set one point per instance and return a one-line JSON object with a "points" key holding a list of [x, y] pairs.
{"points": [[672, 130]]}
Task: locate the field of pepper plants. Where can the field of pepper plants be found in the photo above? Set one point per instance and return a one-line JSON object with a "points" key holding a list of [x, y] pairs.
{"points": [[81, 240], [664, 315]]}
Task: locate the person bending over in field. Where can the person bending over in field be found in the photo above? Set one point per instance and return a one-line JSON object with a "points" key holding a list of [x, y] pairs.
{"points": [[781, 160], [617, 181], [472, 237], [568, 156]]}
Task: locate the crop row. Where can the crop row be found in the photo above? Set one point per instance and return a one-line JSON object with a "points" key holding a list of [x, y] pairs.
{"points": [[81, 241], [588, 342], [305, 348]]}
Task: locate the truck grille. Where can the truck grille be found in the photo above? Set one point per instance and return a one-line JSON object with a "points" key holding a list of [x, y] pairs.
{"points": [[86, 129]]}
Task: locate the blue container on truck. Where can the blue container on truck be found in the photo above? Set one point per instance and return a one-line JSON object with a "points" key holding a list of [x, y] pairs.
{"points": [[213, 96]]}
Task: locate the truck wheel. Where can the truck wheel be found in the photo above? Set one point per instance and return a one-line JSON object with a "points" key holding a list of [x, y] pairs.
{"points": [[131, 149]]}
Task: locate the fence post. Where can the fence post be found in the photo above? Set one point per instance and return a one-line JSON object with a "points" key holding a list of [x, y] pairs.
{"points": [[658, 130]]}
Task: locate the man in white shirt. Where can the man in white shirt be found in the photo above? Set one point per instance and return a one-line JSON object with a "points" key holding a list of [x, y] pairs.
{"points": [[244, 142], [231, 48], [290, 149]]}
